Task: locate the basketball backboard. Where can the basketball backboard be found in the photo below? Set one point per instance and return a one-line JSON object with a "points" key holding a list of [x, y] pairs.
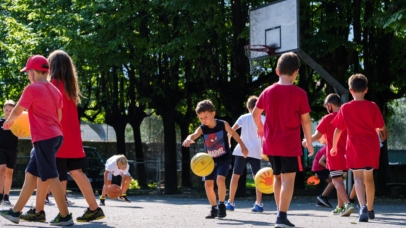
{"points": [[276, 25]]}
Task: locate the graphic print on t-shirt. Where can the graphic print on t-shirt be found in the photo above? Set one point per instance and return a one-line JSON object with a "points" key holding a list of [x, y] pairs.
{"points": [[215, 144]]}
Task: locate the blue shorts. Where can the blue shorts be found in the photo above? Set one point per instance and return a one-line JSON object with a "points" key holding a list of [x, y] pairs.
{"points": [[43, 158], [221, 168], [240, 163]]}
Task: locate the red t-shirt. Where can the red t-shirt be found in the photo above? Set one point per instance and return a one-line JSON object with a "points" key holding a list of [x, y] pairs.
{"points": [[325, 127], [72, 139], [283, 105], [316, 166], [42, 100], [360, 118]]}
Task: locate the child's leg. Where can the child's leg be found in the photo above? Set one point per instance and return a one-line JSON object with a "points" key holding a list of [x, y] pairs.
{"points": [[286, 191], [59, 195], [221, 187], [233, 187], [2, 179], [30, 182], [340, 201], [277, 185], [369, 188], [211, 195], [353, 194], [42, 189], [329, 187], [339, 185], [85, 187], [259, 196], [8, 181], [359, 186]]}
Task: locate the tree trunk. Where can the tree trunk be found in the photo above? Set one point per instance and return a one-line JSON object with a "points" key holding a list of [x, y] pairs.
{"points": [[139, 156], [171, 177]]}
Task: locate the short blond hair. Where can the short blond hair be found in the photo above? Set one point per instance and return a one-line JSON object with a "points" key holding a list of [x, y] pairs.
{"points": [[121, 160], [9, 102]]}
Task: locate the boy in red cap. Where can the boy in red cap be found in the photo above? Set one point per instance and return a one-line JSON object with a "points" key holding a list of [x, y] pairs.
{"points": [[44, 103]]}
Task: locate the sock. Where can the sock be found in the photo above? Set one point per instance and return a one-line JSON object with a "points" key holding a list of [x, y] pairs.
{"points": [[282, 215], [123, 194], [47, 197], [6, 197], [214, 207], [102, 198], [1, 197], [221, 202]]}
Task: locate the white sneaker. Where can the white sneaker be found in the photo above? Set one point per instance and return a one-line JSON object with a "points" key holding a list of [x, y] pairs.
{"points": [[69, 203], [7, 202], [49, 202]]}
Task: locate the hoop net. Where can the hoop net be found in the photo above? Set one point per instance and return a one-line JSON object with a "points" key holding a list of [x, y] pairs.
{"points": [[253, 52]]}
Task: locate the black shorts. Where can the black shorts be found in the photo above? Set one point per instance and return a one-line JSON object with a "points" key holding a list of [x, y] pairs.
{"points": [[8, 157], [65, 165], [323, 174], [240, 162], [281, 164]]}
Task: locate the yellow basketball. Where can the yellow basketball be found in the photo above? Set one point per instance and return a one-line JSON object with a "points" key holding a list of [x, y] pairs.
{"points": [[264, 180], [21, 126], [202, 164]]}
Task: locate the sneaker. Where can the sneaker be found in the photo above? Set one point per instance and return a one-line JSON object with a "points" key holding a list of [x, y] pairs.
{"points": [[213, 213], [318, 204], [371, 214], [124, 198], [69, 203], [49, 202], [91, 215], [222, 210], [283, 223], [337, 211], [363, 214], [7, 203], [11, 215], [102, 203], [324, 200], [347, 210], [62, 221], [32, 216], [230, 206], [258, 208]]}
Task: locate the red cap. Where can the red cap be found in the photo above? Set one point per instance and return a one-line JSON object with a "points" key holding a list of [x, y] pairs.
{"points": [[36, 62]]}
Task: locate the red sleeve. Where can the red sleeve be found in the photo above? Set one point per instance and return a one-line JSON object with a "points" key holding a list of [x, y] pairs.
{"points": [[322, 127], [338, 121]]}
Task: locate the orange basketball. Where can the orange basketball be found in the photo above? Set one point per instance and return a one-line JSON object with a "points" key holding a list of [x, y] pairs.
{"points": [[113, 191], [21, 126], [313, 180]]}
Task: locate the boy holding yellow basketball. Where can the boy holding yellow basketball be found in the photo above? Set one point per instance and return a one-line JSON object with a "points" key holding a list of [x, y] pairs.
{"points": [[287, 108], [8, 155], [214, 132]]}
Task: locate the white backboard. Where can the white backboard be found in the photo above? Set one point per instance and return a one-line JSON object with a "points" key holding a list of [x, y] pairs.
{"points": [[276, 25]]}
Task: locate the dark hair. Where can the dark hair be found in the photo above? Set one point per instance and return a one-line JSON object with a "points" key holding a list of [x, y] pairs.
{"points": [[358, 83], [252, 100], [333, 99], [288, 63], [63, 69], [205, 106]]}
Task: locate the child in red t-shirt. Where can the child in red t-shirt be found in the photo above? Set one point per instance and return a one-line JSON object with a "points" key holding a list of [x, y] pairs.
{"points": [[319, 168], [287, 108], [336, 164], [362, 119]]}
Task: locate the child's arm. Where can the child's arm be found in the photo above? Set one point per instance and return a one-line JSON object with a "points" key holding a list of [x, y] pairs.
{"points": [[190, 139], [383, 132], [256, 114], [307, 130], [322, 161], [237, 138], [235, 127], [16, 112], [316, 136], [336, 137], [60, 114]]}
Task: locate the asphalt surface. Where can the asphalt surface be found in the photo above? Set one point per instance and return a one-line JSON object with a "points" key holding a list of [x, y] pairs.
{"points": [[188, 211]]}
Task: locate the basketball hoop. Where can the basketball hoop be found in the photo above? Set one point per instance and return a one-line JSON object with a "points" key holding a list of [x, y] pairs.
{"points": [[256, 55]]}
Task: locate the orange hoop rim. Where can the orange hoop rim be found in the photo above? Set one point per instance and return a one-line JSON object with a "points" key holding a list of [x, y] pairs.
{"points": [[260, 48]]}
